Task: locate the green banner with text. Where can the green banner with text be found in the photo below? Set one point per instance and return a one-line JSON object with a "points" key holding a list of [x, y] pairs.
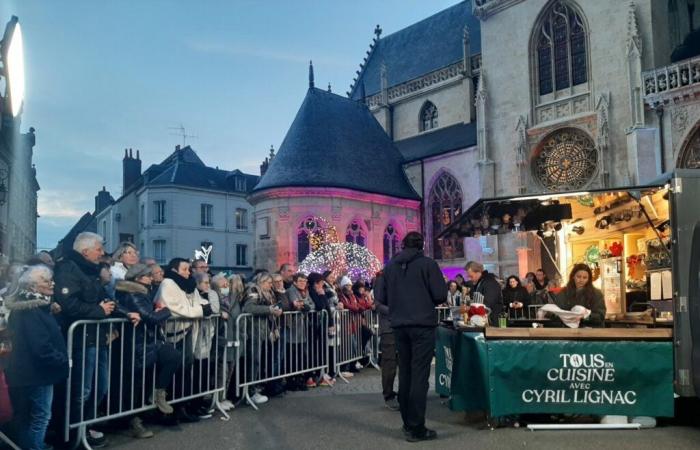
{"points": [[444, 351], [581, 377]]}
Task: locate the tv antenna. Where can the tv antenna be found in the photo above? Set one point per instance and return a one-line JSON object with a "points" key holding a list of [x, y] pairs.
{"points": [[182, 133]]}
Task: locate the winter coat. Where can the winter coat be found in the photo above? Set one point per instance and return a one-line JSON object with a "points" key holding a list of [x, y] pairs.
{"points": [[413, 286], [490, 288], [382, 308], [331, 294], [79, 292], [519, 294], [136, 297], [296, 326], [454, 299], [182, 306], [39, 356], [566, 301], [259, 305], [321, 303], [118, 271], [207, 327]]}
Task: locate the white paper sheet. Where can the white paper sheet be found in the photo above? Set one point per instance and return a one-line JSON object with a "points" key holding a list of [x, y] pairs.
{"points": [[655, 286], [666, 284]]}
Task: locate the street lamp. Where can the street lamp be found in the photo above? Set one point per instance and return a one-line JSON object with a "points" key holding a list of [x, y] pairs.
{"points": [[12, 48]]}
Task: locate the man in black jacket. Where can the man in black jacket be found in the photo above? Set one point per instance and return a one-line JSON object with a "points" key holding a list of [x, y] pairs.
{"points": [[413, 286], [81, 296], [486, 285]]}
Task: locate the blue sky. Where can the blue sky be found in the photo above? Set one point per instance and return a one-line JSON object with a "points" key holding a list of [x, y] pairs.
{"points": [[106, 75]]}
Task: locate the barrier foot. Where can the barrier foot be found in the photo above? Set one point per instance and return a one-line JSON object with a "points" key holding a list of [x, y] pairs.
{"points": [[246, 395], [340, 375], [217, 405], [8, 441], [82, 437]]}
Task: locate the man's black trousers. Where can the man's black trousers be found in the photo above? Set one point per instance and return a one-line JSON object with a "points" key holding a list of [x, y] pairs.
{"points": [[416, 346]]}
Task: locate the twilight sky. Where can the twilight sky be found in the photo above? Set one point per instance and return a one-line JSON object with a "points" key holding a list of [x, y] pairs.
{"points": [[106, 75]]}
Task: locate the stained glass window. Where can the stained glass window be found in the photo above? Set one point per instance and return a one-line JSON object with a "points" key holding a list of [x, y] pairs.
{"points": [[306, 229], [428, 116], [690, 157], [561, 49], [566, 160], [445, 206], [391, 243], [355, 234]]}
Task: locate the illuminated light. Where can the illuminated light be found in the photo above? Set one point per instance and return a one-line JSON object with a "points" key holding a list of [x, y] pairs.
{"points": [[358, 262], [14, 62]]}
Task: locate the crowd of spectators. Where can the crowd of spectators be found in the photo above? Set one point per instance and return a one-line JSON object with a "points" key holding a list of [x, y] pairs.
{"points": [[176, 323]]}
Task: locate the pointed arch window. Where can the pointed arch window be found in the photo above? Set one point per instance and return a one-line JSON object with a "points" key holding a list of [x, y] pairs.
{"points": [[356, 234], [445, 206], [306, 229], [428, 117], [392, 242], [561, 52]]}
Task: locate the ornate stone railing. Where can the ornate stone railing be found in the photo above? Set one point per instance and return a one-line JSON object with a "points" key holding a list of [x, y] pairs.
{"points": [[415, 85], [485, 8], [665, 83]]}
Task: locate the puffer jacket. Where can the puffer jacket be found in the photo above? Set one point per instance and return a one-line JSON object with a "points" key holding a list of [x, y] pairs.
{"points": [[182, 306]]}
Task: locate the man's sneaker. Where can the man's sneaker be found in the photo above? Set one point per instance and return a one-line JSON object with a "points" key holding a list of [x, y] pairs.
{"points": [[392, 404], [310, 383], [226, 405], [137, 429], [359, 366], [325, 383], [204, 412], [259, 399], [347, 374], [161, 402], [96, 439], [425, 435]]}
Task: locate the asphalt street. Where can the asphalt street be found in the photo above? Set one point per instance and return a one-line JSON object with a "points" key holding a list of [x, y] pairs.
{"points": [[352, 416]]}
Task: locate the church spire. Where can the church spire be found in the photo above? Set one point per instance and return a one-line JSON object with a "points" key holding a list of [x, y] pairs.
{"points": [[311, 74]]}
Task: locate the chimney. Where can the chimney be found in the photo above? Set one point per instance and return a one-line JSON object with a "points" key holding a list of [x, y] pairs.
{"points": [[131, 169], [102, 200]]}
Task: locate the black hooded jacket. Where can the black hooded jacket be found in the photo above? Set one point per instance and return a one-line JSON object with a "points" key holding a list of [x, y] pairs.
{"points": [[490, 288], [413, 286]]}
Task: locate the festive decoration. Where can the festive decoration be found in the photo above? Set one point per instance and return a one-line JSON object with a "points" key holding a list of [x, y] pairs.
{"points": [[203, 254], [342, 258]]}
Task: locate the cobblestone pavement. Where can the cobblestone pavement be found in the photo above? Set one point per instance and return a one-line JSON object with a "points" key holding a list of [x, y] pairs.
{"points": [[352, 416]]}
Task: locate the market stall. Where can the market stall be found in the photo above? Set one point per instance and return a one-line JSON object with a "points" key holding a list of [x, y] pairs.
{"points": [[638, 242]]}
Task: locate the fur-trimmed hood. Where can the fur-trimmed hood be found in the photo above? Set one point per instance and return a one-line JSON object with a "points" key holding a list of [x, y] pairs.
{"points": [[25, 300], [131, 287]]}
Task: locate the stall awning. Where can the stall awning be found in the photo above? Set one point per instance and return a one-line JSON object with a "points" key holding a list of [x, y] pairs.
{"points": [[528, 212]]}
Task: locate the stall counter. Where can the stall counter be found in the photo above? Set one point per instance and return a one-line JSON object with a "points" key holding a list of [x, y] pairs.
{"points": [[556, 371]]}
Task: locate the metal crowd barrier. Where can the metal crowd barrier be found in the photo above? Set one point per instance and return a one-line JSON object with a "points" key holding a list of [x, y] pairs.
{"points": [[117, 378], [270, 349], [350, 327], [443, 312]]}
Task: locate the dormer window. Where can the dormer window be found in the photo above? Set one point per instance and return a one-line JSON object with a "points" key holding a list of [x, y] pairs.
{"points": [[240, 183]]}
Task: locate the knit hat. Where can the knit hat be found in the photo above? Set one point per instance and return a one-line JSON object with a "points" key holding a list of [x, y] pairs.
{"points": [[345, 281], [137, 271]]}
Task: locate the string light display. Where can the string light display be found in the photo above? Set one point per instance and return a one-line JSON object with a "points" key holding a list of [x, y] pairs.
{"points": [[342, 258]]}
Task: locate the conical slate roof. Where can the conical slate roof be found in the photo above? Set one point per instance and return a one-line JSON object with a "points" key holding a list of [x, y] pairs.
{"points": [[337, 142]]}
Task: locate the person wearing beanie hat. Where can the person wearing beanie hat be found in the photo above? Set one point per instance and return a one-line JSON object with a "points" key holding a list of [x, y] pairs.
{"points": [[138, 271], [133, 294]]}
